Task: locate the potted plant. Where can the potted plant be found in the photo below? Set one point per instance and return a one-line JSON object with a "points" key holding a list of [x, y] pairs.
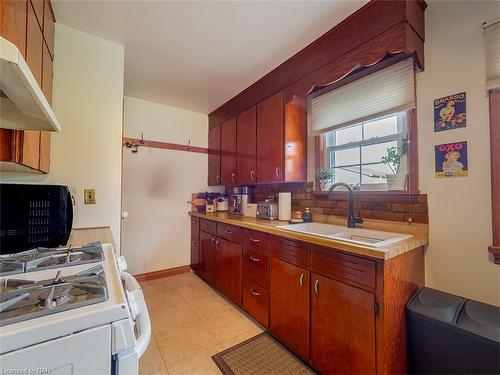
{"points": [[393, 158], [325, 178]]}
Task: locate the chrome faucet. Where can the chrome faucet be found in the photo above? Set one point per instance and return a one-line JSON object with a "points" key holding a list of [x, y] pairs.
{"points": [[351, 220]]}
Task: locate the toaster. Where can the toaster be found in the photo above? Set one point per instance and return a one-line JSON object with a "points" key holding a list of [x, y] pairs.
{"points": [[267, 209]]}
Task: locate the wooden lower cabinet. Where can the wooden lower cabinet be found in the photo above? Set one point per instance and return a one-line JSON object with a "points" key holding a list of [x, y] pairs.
{"points": [[228, 269], [342, 328], [255, 301], [289, 305], [207, 254], [342, 313]]}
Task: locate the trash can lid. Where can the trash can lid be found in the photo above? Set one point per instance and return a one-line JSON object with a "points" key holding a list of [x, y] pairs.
{"points": [[436, 304], [481, 319]]}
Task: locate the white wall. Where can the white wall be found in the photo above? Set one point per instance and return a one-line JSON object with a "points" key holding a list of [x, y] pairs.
{"points": [[157, 183], [457, 258], [88, 101]]}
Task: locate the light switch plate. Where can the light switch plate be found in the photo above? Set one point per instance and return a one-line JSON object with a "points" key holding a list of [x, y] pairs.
{"points": [[89, 196]]}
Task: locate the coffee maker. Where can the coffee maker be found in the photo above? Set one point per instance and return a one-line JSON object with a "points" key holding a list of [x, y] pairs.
{"points": [[240, 197]]}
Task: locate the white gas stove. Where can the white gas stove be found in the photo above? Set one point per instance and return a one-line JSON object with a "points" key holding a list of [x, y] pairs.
{"points": [[70, 311]]}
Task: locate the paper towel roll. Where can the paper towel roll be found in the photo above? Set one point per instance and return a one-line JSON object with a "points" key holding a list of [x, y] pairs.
{"points": [[284, 206]]}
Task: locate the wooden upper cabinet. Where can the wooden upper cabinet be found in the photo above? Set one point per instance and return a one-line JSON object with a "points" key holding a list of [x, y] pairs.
{"points": [[214, 156], [342, 327], [270, 153], [48, 26], [47, 73], [289, 306], [13, 22], [228, 152], [34, 45], [29, 152], [246, 145], [38, 6]]}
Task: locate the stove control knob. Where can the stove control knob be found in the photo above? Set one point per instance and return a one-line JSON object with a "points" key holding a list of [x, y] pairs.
{"points": [[122, 263]]}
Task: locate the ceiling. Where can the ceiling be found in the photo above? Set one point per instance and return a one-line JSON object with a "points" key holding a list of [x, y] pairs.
{"points": [[197, 55]]}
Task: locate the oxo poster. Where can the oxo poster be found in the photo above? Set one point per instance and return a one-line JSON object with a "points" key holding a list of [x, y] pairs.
{"points": [[451, 159]]}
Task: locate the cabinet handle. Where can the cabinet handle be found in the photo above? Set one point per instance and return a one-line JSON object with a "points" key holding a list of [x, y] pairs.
{"points": [[254, 292], [206, 225], [213, 239], [216, 244], [228, 231], [233, 177], [301, 279], [217, 178], [254, 259], [277, 172], [252, 175], [255, 240], [316, 287]]}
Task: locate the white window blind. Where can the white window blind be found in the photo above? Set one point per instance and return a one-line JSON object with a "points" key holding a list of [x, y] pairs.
{"points": [[389, 90], [492, 49]]}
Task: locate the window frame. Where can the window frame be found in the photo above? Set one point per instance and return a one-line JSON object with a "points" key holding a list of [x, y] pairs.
{"points": [[398, 137], [412, 190]]}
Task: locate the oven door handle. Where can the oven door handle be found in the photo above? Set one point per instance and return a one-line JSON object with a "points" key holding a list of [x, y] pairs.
{"points": [[139, 312]]}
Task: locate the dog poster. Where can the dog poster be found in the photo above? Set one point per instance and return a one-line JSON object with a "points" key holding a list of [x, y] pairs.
{"points": [[450, 112], [451, 160]]}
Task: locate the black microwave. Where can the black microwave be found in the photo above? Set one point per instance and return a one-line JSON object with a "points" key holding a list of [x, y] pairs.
{"points": [[33, 215]]}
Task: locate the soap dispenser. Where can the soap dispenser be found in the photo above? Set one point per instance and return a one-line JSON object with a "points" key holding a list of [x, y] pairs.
{"points": [[307, 216]]}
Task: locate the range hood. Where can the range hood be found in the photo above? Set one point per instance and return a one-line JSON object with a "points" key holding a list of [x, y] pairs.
{"points": [[22, 102]]}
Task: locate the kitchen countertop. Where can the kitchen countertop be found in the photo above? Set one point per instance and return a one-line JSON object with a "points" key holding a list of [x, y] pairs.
{"points": [[82, 236], [419, 237]]}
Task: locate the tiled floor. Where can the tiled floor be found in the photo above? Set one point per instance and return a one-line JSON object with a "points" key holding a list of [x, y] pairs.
{"points": [[190, 322]]}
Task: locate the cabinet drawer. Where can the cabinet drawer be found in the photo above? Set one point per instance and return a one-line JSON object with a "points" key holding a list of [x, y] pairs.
{"points": [[195, 227], [208, 226], [290, 251], [256, 241], [256, 302], [229, 232], [256, 267], [343, 267]]}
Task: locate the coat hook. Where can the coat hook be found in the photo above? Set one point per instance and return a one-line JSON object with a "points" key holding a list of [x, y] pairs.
{"points": [[132, 146]]}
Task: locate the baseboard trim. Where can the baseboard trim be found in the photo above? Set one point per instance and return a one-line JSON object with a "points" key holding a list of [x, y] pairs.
{"points": [[162, 273]]}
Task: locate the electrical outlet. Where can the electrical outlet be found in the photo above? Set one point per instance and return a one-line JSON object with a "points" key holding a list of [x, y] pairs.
{"points": [[89, 196]]}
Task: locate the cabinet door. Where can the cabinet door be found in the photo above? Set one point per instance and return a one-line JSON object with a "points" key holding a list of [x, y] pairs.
{"points": [[342, 327], [228, 275], [47, 91], [270, 152], [246, 146], [207, 262], [30, 150], [48, 26], [214, 156], [289, 312], [228, 152], [34, 43], [13, 22]]}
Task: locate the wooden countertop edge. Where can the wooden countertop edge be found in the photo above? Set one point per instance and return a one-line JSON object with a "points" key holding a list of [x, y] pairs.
{"points": [[266, 226], [82, 236]]}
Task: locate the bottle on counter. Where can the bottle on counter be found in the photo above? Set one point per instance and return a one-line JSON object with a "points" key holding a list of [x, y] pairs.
{"points": [[307, 216]]}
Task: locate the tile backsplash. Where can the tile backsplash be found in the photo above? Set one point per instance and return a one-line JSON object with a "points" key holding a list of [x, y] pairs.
{"points": [[385, 207]]}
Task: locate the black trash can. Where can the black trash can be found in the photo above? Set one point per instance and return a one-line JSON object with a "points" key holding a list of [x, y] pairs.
{"points": [[448, 334]]}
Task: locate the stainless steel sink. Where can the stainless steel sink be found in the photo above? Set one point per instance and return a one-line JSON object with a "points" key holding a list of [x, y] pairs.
{"points": [[365, 237]]}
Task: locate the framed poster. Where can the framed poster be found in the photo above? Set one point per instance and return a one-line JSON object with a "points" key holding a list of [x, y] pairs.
{"points": [[451, 159], [450, 112]]}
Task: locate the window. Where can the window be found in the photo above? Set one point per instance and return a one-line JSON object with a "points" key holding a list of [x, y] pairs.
{"points": [[358, 119], [354, 152]]}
